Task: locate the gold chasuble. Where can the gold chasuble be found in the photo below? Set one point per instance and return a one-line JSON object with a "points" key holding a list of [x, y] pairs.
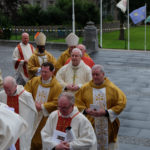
{"points": [[48, 95], [36, 61], [108, 96], [101, 123], [62, 59], [42, 97]]}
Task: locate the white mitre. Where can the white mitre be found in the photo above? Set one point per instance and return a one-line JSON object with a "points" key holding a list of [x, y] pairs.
{"points": [[72, 39], [40, 39]]}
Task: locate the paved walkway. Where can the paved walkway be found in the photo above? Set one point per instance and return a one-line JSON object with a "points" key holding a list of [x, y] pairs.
{"points": [[130, 70]]}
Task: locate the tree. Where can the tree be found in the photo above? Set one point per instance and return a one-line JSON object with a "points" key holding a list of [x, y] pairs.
{"points": [[84, 11], [9, 7], [134, 4], [122, 20], [29, 15], [55, 16], [4, 27]]}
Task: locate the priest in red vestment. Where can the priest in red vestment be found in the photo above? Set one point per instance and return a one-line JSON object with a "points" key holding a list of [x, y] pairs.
{"points": [[22, 102], [67, 128]]}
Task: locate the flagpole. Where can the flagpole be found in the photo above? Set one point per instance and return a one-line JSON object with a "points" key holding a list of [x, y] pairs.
{"points": [[73, 17], [101, 27], [128, 28], [145, 27]]}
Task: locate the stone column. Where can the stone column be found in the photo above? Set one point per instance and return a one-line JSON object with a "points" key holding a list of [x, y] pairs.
{"points": [[90, 37]]}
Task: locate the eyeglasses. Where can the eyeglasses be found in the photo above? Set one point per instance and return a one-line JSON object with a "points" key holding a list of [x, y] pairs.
{"points": [[66, 107]]}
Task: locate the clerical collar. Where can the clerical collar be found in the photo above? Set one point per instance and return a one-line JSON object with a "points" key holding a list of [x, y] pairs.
{"points": [[40, 53], [100, 84], [76, 67], [24, 44], [46, 81]]}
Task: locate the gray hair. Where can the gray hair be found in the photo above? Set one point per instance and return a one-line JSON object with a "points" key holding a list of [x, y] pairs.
{"points": [[10, 80], [77, 50], [100, 67], [25, 33], [68, 95]]}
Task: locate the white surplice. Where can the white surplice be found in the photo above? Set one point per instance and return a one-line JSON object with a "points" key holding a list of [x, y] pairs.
{"points": [[27, 111], [84, 133], [12, 126]]}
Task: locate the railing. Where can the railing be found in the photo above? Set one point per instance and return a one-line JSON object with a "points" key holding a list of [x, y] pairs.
{"points": [[52, 32]]}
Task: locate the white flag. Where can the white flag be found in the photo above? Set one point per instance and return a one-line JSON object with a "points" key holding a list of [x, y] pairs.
{"points": [[122, 5]]}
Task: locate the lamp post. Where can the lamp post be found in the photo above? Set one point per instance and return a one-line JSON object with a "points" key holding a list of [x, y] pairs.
{"points": [[128, 26], [73, 17], [101, 27]]}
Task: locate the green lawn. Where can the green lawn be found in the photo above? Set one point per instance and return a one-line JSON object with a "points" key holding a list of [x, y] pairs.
{"points": [[110, 39], [137, 39]]}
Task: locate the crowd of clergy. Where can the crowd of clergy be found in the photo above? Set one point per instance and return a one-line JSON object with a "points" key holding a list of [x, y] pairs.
{"points": [[58, 104]]}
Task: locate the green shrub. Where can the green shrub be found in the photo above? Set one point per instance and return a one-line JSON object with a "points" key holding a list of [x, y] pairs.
{"points": [[5, 25]]}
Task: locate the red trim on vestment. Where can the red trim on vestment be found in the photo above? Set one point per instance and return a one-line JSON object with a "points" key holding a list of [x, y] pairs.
{"points": [[87, 60], [63, 123], [17, 63], [13, 101], [31, 48], [22, 57]]}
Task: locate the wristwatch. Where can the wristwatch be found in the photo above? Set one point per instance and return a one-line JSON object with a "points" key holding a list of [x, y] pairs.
{"points": [[65, 89], [84, 112], [106, 113]]}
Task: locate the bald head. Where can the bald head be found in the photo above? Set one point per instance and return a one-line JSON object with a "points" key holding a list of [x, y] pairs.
{"points": [[82, 48], [66, 103], [25, 34], [68, 95], [25, 38], [9, 84]]}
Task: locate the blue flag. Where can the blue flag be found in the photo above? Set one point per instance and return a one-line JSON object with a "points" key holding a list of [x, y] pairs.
{"points": [[138, 15]]}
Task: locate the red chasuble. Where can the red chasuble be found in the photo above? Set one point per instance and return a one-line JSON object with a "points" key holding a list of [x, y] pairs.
{"points": [[63, 123], [13, 101]]}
